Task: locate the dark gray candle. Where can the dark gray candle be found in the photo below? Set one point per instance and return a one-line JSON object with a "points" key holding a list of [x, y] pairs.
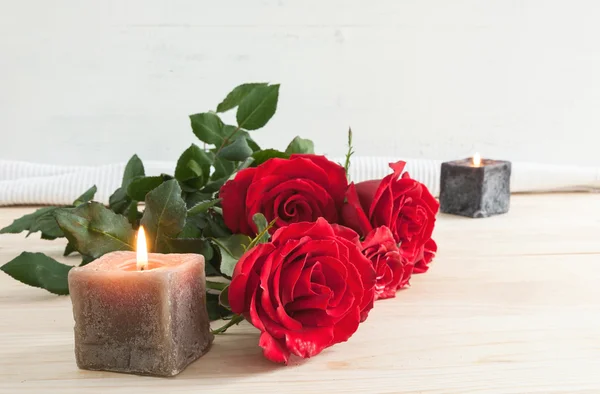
{"points": [[475, 189]]}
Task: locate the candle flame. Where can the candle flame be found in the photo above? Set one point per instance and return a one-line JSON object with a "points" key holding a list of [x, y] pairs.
{"points": [[142, 250], [476, 160]]}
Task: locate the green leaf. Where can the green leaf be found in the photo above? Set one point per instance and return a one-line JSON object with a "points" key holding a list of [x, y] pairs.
{"points": [[85, 260], [215, 310], [300, 145], [263, 231], [232, 248], [139, 187], [191, 229], [25, 222], [258, 107], [193, 164], [133, 215], [194, 198], [223, 169], [238, 150], [224, 298], [41, 220], [164, 216], [87, 196], [191, 245], [243, 134], [215, 227], [202, 207], [69, 249], [208, 127], [47, 225], [234, 97], [262, 225], [119, 201], [39, 270], [133, 169], [264, 155], [197, 246], [95, 230]]}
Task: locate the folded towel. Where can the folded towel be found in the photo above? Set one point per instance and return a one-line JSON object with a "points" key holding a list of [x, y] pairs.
{"points": [[43, 184]]}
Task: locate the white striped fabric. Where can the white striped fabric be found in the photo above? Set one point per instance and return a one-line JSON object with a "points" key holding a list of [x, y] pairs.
{"points": [[42, 184]]}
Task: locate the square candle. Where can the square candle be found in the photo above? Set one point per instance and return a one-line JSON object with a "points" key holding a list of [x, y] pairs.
{"points": [[475, 188], [147, 322]]}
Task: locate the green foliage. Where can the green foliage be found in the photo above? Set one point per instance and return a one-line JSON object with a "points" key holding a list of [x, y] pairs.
{"points": [[208, 127], [258, 107], [139, 187], [262, 226], [193, 167], [202, 207], [182, 213], [235, 97], [238, 150], [267, 154], [120, 201], [300, 145], [39, 270], [94, 230], [164, 216], [43, 220], [87, 196], [215, 310], [231, 249]]}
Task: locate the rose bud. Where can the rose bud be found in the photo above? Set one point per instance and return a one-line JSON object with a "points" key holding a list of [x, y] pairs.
{"points": [[402, 204], [392, 269], [424, 257]]}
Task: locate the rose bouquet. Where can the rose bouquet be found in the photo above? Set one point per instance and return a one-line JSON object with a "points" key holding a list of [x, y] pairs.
{"points": [[290, 244]]}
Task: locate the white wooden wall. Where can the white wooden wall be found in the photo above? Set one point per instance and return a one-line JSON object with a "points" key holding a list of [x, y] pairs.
{"points": [[92, 82]]}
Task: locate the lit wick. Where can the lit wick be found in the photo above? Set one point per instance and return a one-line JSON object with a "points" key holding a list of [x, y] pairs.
{"points": [[142, 250], [476, 160]]}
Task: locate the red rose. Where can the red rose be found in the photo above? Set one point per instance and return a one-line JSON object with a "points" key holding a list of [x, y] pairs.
{"points": [[300, 189], [306, 289], [424, 257], [392, 269], [398, 202]]}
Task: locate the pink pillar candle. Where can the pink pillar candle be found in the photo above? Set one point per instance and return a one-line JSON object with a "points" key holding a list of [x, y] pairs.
{"points": [[147, 322]]}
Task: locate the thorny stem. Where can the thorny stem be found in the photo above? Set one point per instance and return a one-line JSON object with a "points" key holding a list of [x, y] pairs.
{"points": [[216, 285], [236, 319], [349, 154]]}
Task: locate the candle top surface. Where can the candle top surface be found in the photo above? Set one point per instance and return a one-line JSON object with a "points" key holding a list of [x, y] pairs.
{"points": [[468, 162], [126, 262]]}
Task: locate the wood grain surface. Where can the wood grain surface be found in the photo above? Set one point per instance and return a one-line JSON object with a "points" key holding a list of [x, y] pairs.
{"points": [[511, 305]]}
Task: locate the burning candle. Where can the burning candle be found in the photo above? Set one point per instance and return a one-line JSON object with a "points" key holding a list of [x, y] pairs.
{"points": [[140, 313], [475, 187]]}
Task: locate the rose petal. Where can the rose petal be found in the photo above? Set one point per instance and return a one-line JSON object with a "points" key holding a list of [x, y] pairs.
{"points": [[320, 229], [337, 181], [273, 349], [233, 195], [237, 289], [309, 342], [347, 326], [353, 213]]}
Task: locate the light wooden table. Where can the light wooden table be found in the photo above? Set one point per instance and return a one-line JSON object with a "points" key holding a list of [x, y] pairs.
{"points": [[511, 305]]}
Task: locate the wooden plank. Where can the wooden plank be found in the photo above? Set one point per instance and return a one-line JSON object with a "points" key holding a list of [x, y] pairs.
{"points": [[511, 305]]}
